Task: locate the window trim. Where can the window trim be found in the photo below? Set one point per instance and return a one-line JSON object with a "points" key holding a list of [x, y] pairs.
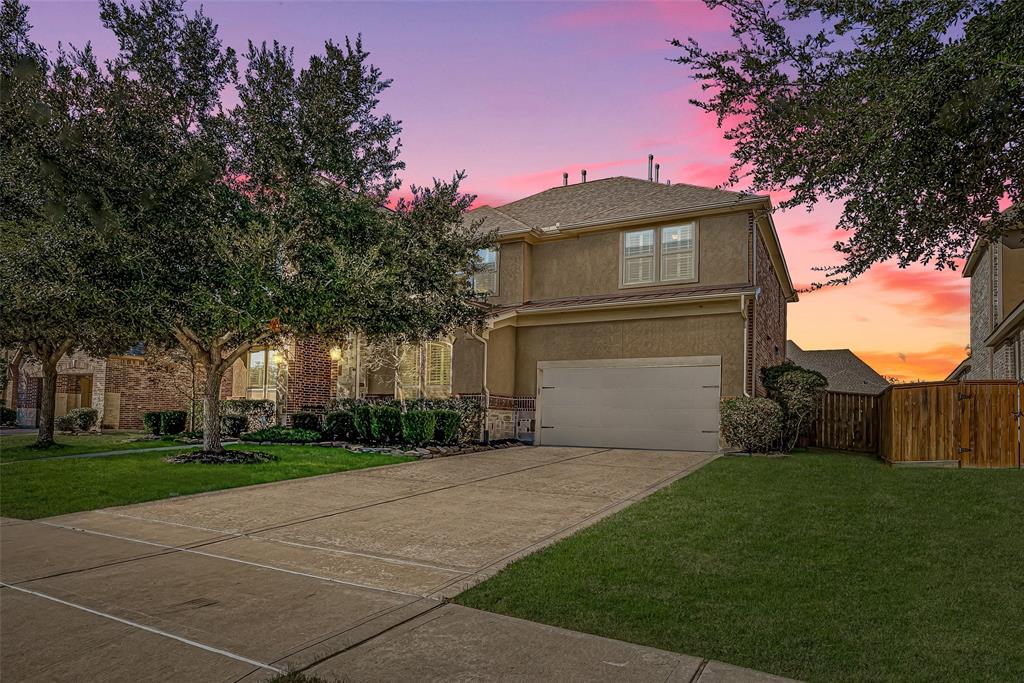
{"points": [[497, 272], [658, 280]]}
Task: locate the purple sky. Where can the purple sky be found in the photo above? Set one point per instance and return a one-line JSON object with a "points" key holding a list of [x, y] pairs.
{"points": [[516, 93]]}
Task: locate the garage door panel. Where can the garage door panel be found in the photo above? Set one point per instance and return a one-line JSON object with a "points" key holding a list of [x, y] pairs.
{"points": [[665, 406]]}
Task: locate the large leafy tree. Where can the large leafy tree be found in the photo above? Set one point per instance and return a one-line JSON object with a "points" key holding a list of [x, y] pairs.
{"points": [[910, 113], [268, 221], [66, 279]]}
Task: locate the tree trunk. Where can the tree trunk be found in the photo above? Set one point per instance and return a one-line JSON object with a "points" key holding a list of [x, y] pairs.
{"points": [[47, 404], [211, 408]]}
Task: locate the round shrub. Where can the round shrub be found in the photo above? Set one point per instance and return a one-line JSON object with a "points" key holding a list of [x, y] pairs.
{"points": [[751, 424], [173, 421], [233, 425], [446, 426], [339, 425], [418, 426], [152, 422], [387, 424], [64, 423], [84, 419], [363, 417]]}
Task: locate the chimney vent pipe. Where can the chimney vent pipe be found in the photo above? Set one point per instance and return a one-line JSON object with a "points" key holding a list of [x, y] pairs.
{"points": [[565, 179], [650, 162], [657, 169], [584, 175]]}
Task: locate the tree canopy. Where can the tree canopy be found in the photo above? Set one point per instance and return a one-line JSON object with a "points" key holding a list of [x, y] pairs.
{"points": [[910, 113]]}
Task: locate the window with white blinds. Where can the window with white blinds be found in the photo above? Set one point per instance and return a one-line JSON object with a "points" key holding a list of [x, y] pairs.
{"points": [[485, 280], [638, 257], [677, 257], [667, 254], [409, 371], [439, 364]]}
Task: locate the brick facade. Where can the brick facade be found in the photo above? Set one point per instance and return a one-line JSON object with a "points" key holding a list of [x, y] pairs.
{"points": [[136, 386], [766, 337], [312, 376]]}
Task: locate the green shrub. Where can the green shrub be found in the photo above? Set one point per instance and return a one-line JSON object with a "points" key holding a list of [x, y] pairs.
{"points": [[798, 392], [387, 424], [446, 426], [306, 420], [152, 422], [751, 424], [172, 421], [64, 423], [339, 425], [282, 435], [363, 418], [418, 426], [260, 413], [8, 416], [233, 425]]}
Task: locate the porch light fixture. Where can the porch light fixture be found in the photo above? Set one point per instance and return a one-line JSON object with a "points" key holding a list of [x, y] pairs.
{"points": [[278, 357], [335, 353]]}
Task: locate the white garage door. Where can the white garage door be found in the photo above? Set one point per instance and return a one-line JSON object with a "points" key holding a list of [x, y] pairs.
{"points": [[664, 403]]}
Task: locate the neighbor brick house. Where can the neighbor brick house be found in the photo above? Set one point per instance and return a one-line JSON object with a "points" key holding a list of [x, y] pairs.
{"points": [[996, 271], [623, 311]]}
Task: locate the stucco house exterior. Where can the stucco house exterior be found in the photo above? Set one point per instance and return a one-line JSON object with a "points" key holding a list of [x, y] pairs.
{"points": [[626, 310], [996, 271]]}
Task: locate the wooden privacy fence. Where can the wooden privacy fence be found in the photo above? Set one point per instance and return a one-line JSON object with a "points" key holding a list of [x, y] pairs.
{"points": [[975, 423], [847, 422]]}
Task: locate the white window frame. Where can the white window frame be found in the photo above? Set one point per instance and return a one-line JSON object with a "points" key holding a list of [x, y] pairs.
{"points": [[497, 272], [658, 279]]}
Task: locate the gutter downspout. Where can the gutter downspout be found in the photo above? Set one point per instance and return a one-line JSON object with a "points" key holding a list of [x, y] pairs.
{"points": [[484, 390], [743, 312], [753, 323]]}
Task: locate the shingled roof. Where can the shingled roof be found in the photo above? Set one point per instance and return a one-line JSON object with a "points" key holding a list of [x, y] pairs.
{"points": [[600, 201], [841, 367]]}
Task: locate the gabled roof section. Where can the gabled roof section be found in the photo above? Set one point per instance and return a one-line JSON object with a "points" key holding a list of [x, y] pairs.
{"points": [[841, 367], [602, 201]]}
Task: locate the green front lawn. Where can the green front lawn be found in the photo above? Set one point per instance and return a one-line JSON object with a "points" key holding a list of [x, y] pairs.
{"points": [[822, 567], [53, 487], [19, 446]]}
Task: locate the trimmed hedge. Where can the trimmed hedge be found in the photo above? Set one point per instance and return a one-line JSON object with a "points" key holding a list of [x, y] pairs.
{"points": [[260, 413], [306, 420], [363, 418], [233, 425], [152, 422], [470, 409], [173, 421], [446, 426], [339, 425], [282, 435], [418, 426], [8, 416], [387, 424]]}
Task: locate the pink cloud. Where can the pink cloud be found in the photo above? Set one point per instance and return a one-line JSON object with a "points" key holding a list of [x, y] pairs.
{"points": [[936, 293], [683, 17]]}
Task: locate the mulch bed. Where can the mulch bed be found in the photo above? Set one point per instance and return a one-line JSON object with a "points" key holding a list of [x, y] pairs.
{"points": [[223, 458]]}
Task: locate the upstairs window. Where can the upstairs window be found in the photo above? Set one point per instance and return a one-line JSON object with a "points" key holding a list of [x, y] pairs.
{"points": [[485, 280], [652, 255]]}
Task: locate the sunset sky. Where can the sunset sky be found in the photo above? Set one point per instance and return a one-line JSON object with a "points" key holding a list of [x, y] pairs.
{"points": [[517, 93]]}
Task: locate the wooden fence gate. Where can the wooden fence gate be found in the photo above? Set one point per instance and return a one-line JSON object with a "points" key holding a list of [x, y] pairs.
{"points": [[977, 423]]}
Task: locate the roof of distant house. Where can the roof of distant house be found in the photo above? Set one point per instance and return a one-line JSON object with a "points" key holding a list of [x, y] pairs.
{"points": [[602, 201], [841, 367]]}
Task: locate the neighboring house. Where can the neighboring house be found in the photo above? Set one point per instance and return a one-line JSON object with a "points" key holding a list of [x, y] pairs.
{"points": [[627, 309], [624, 310], [996, 270], [842, 368]]}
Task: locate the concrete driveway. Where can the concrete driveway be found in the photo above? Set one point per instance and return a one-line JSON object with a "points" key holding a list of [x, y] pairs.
{"points": [[342, 575]]}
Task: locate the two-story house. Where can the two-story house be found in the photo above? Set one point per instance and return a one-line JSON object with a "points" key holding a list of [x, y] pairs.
{"points": [[627, 309], [996, 271]]}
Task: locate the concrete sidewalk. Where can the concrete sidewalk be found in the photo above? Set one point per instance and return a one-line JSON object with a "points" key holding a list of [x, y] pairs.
{"points": [[342, 575]]}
